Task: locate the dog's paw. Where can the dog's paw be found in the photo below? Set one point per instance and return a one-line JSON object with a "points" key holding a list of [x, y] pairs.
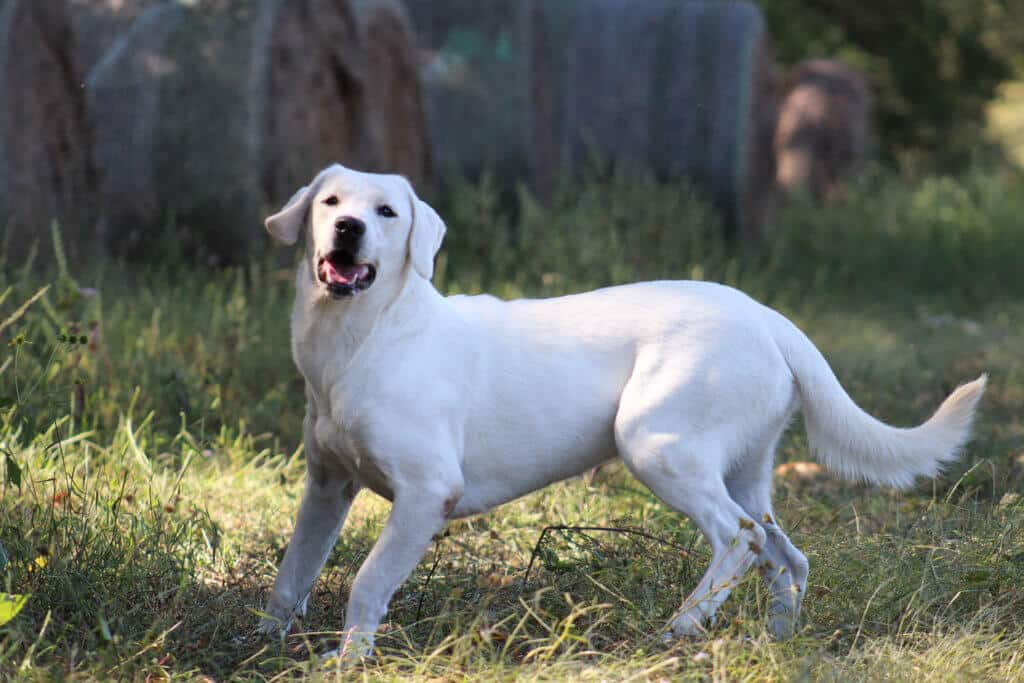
{"points": [[343, 658], [355, 650], [271, 627], [689, 624], [276, 620], [782, 620]]}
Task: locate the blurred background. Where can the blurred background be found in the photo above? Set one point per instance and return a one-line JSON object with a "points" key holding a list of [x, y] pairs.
{"points": [[146, 128]]}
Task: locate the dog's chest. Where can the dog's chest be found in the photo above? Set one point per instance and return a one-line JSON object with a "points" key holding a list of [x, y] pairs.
{"points": [[343, 436], [341, 419]]}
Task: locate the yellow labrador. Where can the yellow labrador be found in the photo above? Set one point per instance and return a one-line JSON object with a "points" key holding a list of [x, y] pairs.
{"points": [[451, 406]]}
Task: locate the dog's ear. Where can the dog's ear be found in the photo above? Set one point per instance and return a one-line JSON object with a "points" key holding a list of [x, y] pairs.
{"points": [[425, 237], [285, 225]]}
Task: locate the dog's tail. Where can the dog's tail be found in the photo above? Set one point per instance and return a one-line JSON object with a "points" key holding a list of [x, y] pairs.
{"points": [[854, 444]]}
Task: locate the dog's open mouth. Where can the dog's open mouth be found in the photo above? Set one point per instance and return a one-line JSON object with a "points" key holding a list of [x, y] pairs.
{"points": [[342, 275]]}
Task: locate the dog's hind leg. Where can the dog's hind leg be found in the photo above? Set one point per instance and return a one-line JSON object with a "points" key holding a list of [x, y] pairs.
{"points": [[683, 422], [689, 480], [782, 565]]}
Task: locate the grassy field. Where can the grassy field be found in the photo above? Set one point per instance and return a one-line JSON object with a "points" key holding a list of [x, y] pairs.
{"points": [[151, 474]]}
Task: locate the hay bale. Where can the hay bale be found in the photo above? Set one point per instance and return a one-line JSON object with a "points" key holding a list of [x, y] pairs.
{"points": [[48, 173], [233, 103], [476, 79], [125, 99], [342, 83], [173, 113], [683, 87], [532, 88], [823, 127], [98, 23], [46, 169], [313, 93], [394, 90]]}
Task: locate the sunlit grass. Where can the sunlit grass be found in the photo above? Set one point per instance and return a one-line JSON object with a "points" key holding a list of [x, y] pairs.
{"points": [[1006, 120]]}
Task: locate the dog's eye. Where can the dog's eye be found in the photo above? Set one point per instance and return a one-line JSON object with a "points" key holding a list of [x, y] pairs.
{"points": [[386, 211], [332, 200]]}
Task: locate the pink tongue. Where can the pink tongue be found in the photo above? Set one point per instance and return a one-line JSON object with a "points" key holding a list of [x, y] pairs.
{"points": [[345, 275]]}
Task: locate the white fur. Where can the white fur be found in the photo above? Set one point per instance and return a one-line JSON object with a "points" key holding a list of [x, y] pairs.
{"points": [[451, 406]]}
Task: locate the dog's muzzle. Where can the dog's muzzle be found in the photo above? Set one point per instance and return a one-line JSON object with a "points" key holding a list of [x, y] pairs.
{"points": [[339, 270], [342, 276]]}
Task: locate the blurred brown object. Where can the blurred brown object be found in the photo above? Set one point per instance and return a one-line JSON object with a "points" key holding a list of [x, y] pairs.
{"points": [[823, 127], [800, 471], [312, 96], [342, 85]]}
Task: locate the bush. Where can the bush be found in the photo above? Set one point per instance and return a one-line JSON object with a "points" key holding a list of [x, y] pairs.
{"points": [[933, 64], [955, 238]]}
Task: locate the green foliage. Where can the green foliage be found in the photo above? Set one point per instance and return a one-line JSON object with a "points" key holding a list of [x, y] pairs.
{"points": [[10, 605], [954, 238], [597, 231], [933, 64]]}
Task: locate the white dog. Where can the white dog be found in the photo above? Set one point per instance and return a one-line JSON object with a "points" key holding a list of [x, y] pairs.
{"points": [[451, 406]]}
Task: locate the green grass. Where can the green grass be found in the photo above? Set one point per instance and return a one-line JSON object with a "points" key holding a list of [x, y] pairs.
{"points": [[150, 478]]}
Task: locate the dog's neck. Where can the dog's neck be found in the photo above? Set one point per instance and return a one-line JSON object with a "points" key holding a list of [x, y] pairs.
{"points": [[321, 322]]}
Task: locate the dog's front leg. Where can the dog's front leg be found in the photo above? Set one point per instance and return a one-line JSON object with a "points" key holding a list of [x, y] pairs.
{"points": [[325, 504], [418, 513]]}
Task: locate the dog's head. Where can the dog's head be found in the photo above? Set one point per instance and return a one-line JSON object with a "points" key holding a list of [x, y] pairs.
{"points": [[361, 227]]}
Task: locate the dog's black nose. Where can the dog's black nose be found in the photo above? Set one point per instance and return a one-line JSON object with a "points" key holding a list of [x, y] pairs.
{"points": [[350, 227]]}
